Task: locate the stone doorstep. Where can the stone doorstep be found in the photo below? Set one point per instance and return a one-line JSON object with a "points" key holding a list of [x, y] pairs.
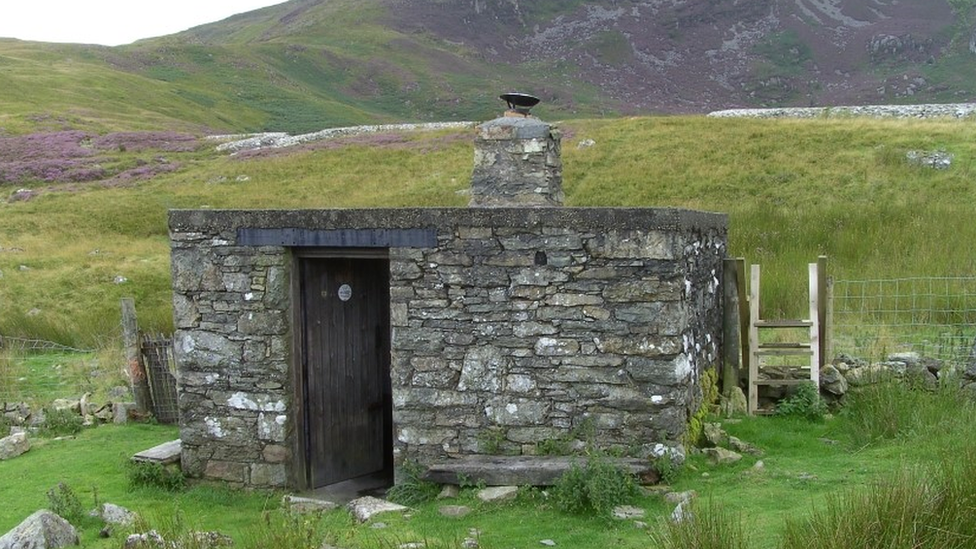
{"points": [[524, 470], [164, 454]]}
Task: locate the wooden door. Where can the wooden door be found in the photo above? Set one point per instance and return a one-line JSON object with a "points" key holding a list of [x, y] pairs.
{"points": [[346, 366]]}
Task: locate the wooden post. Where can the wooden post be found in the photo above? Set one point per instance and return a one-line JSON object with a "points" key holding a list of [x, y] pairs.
{"points": [[815, 323], [753, 393], [740, 269], [828, 341], [822, 295], [133, 356], [731, 322]]}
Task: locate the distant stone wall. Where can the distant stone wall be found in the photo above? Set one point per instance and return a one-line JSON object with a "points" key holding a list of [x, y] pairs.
{"points": [[948, 110], [518, 327]]}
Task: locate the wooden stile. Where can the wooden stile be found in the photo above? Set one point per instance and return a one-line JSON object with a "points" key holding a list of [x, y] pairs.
{"points": [[812, 347]]}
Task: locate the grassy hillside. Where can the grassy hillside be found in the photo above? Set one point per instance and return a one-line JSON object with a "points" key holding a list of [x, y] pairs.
{"points": [[295, 67], [793, 189], [304, 65]]}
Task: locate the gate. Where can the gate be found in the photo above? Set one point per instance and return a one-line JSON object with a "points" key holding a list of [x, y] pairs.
{"points": [[157, 355]]}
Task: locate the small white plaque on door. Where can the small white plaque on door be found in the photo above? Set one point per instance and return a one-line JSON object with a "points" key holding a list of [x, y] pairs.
{"points": [[345, 292]]}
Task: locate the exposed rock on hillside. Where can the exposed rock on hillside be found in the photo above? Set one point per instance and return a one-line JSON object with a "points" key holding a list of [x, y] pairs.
{"points": [[684, 55]]}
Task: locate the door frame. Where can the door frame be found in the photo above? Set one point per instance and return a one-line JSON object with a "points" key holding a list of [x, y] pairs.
{"points": [[298, 471]]}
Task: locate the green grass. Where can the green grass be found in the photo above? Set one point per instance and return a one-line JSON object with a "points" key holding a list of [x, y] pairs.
{"points": [[811, 472]]}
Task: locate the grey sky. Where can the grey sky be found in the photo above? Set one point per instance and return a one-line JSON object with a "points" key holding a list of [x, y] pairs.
{"points": [[112, 22]]}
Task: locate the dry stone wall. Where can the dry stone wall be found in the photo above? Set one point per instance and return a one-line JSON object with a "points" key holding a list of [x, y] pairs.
{"points": [[543, 333], [231, 308], [517, 327], [946, 110]]}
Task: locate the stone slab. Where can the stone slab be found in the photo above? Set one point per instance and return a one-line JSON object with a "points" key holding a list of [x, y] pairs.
{"points": [[164, 454], [524, 470]]}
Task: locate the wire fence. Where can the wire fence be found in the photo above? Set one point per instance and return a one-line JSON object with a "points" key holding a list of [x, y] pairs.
{"points": [[41, 371], [870, 319], [932, 316], [21, 344], [38, 372]]}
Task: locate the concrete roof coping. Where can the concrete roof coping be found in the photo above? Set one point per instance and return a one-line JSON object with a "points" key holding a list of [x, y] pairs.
{"points": [[599, 219]]}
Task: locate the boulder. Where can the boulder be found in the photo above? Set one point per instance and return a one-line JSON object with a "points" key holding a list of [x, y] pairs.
{"points": [[14, 445], [37, 418], [498, 493], [626, 512], [528, 470], [367, 507], [191, 540], [908, 358], [449, 491], [714, 435], [832, 381], [104, 414], [743, 447], [114, 514], [679, 514], [208, 540], [147, 540], [454, 511], [721, 456], [675, 498], [734, 404], [62, 404], [122, 411], [865, 375], [42, 530], [297, 504]]}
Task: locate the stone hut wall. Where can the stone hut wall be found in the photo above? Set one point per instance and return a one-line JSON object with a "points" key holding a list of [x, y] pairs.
{"points": [[517, 327]]}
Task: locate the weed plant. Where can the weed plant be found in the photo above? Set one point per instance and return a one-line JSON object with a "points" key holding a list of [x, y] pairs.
{"points": [[7, 376], [154, 475], [412, 488], [668, 468], [596, 487], [283, 530], [63, 502], [61, 422], [805, 402]]}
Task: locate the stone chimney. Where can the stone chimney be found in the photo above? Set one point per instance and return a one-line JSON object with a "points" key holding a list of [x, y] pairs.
{"points": [[517, 162]]}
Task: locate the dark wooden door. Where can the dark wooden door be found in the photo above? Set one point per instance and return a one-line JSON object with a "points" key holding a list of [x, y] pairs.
{"points": [[346, 364]]}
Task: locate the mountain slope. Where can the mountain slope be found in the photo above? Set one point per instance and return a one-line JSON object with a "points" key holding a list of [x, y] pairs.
{"points": [[308, 64]]}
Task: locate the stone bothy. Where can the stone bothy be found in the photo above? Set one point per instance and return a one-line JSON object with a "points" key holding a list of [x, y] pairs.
{"points": [[316, 346]]}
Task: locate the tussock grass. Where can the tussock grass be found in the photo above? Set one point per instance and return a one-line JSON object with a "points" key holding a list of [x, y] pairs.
{"points": [[706, 525], [917, 508], [907, 408], [928, 500], [793, 190]]}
